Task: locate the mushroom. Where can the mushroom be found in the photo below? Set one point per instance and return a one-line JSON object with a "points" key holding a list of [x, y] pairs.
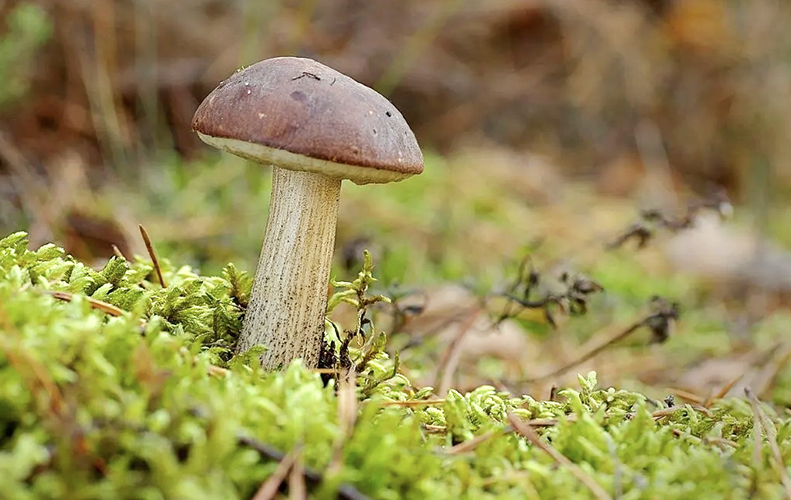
{"points": [[316, 127]]}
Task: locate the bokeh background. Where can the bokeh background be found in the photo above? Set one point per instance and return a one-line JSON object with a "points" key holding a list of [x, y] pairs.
{"points": [[546, 125]]}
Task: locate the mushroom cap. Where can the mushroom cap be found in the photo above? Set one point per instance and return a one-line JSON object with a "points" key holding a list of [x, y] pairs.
{"points": [[299, 114]]}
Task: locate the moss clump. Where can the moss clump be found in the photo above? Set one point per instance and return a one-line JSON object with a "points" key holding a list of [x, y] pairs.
{"points": [[128, 402]]}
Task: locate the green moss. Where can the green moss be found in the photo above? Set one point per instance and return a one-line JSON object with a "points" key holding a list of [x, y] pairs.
{"points": [[130, 404]]}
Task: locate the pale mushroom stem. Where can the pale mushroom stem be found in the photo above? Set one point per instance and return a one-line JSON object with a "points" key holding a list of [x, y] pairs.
{"points": [[289, 298]]}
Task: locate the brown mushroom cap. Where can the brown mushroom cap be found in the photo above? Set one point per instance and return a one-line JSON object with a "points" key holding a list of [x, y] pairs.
{"points": [[299, 114]]}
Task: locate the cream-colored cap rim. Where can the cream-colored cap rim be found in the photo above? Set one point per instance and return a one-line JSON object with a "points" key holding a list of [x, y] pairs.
{"points": [[285, 159]]}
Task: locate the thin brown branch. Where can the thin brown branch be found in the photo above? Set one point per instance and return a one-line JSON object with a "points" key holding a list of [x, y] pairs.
{"points": [[551, 422], [723, 391], [271, 486], [589, 353], [152, 254], [297, 490], [347, 417], [114, 311], [669, 411], [659, 322], [720, 441], [525, 430], [329, 371], [473, 443], [118, 253], [452, 355], [771, 436], [218, 371], [23, 363], [777, 360], [414, 402], [95, 304], [313, 478], [688, 396]]}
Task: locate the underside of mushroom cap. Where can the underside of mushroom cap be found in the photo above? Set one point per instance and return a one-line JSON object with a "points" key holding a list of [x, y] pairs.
{"points": [[299, 114]]}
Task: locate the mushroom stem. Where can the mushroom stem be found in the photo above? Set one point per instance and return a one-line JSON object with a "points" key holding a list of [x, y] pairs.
{"points": [[289, 298]]}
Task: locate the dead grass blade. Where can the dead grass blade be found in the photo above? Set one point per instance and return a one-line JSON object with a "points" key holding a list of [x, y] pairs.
{"points": [[659, 321], [527, 432], [473, 443], [347, 402], [152, 254], [95, 304], [297, 490], [415, 402], [25, 364], [271, 486], [218, 371], [589, 352], [723, 391], [312, 477], [347, 416], [687, 395], [771, 436], [118, 253], [452, 355], [765, 379]]}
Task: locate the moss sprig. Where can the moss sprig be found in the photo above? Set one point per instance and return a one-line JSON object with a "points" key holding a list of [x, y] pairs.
{"points": [[362, 348], [95, 405]]}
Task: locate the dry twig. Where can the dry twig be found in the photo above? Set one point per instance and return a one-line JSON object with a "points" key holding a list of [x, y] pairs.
{"points": [[271, 486], [23, 363], [452, 355], [525, 430], [723, 391], [95, 304], [313, 478], [152, 254], [762, 420], [297, 490], [414, 402], [118, 253], [659, 322], [347, 416], [473, 443]]}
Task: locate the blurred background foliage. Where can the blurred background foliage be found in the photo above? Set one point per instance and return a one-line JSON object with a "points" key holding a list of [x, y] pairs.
{"points": [[546, 125]]}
